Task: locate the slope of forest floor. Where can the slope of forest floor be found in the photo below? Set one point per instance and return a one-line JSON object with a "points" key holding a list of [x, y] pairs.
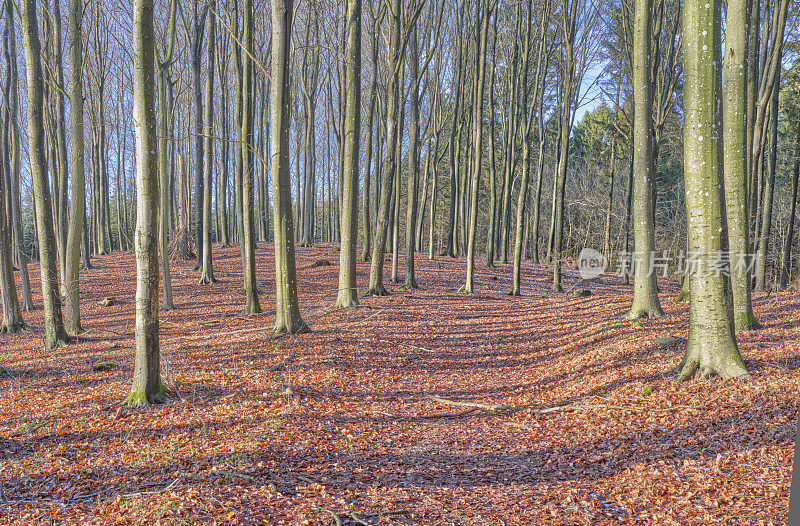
{"points": [[307, 429]]}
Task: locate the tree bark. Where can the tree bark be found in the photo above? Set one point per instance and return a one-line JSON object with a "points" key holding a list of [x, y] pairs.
{"points": [[147, 387], [645, 288], [287, 313], [711, 348], [55, 334], [207, 268], [735, 163], [347, 295]]}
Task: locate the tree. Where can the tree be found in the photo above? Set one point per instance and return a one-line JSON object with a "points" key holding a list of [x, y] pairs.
{"points": [[76, 213], [287, 308], [247, 239], [486, 14], [395, 61], [735, 162], [528, 119], [711, 347], [55, 334], [12, 140], [196, 37], [12, 317], [645, 291], [165, 59], [347, 294], [207, 266], [147, 387]]}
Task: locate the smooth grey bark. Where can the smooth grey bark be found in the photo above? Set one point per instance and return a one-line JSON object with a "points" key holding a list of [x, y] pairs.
{"points": [[12, 317], [146, 387], [735, 163], [711, 348], [645, 289], [164, 172], [20, 258], [287, 308], [207, 263], [366, 215], [487, 10], [248, 241], [76, 213], [347, 295], [55, 334], [196, 47], [376, 287]]}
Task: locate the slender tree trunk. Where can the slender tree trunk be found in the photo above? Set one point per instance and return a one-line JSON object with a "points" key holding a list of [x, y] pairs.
{"points": [[413, 161], [73, 249], [147, 387], [735, 159], [207, 268], [789, 241], [376, 287], [60, 185], [478, 146], [55, 334], [768, 193], [347, 295], [645, 288], [12, 317], [252, 305], [366, 225], [163, 169], [10, 54], [199, 157], [287, 314]]}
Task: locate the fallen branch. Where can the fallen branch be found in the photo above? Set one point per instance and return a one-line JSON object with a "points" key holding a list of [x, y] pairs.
{"points": [[407, 345], [357, 516], [574, 407]]}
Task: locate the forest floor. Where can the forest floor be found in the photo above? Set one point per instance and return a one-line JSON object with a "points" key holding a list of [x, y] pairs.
{"points": [[307, 429]]}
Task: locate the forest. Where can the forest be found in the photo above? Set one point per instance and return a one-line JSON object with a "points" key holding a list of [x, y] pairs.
{"points": [[375, 262]]}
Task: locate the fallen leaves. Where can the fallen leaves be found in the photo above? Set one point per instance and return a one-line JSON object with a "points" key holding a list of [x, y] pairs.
{"points": [[566, 417]]}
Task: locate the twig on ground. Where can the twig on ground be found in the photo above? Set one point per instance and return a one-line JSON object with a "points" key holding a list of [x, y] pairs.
{"points": [[407, 345], [545, 410]]}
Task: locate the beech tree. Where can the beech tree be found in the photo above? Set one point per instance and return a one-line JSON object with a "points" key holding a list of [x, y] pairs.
{"points": [[347, 294], [711, 348], [207, 268], [287, 308], [645, 291], [147, 387], [55, 334]]}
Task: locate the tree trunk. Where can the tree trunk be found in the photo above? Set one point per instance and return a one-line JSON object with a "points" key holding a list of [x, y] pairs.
{"points": [[10, 54], [76, 215], [287, 313], [413, 161], [347, 295], [735, 167], [376, 287], [478, 145], [645, 288], [147, 387], [788, 242], [207, 268], [711, 348], [196, 43], [55, 334], [12, 317]]}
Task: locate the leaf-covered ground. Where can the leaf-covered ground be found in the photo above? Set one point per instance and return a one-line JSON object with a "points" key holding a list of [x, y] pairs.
{"points": [[307, 429]]}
